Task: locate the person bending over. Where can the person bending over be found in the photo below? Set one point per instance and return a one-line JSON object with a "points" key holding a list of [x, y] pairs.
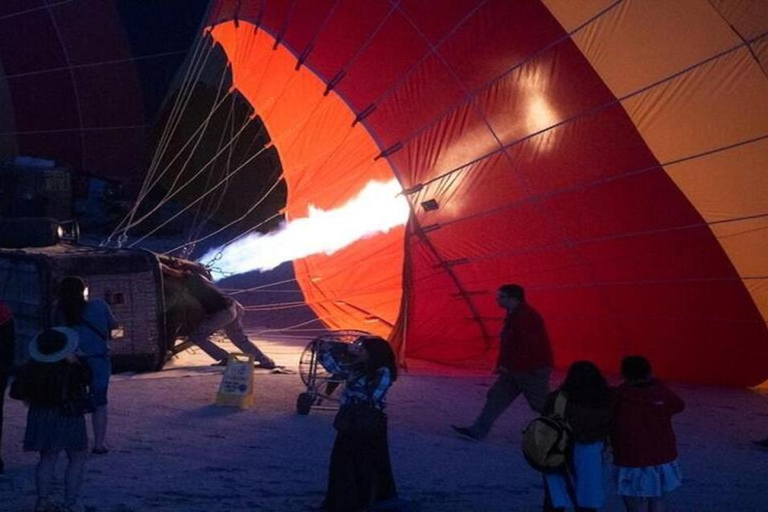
{"points": [[221, 312]]}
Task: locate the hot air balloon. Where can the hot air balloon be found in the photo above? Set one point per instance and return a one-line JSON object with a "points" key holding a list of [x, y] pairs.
{"points": [[609, 155], [82, 82]]}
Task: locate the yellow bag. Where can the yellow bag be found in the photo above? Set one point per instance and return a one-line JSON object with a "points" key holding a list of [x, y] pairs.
{"points": [[236, 388]]}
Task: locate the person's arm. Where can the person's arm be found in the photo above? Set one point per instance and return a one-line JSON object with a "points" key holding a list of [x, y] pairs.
{"points": [[382, 382], [170, 271], [111, 320], [83, 372], [185, 267], [604, 419], [327, 360], [669, 400], [655, 395], [549, 404], [505, 346], [21, 387]]}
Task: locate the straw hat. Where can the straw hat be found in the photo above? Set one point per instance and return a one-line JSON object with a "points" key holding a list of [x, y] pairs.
{"points": [[52, 345]]}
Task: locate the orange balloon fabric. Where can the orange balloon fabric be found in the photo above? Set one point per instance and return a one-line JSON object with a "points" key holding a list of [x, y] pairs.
{"points": [[327, 158]]}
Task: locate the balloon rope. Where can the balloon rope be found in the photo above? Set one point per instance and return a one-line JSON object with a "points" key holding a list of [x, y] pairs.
{"points": [[182, 100], [131, 223], [194, 226], [47, 5], [274, 184], [171, 116], [204, 195], [139, 199], [128, 218], [263, 286], [204, 125], [173, 194], [294, 326], [216, 205]]}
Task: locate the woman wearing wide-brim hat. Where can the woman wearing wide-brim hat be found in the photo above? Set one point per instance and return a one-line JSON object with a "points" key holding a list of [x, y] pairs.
{"points": [[54, 385]]}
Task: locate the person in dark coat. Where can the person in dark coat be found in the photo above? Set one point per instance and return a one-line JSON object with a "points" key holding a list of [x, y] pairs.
{"points": [[643, 439], [7, 354], [360, 474], [524, 365], [220, 312]]}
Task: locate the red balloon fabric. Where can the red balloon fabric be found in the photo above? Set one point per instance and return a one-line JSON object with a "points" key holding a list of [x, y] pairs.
{"points": [[82, 82]]}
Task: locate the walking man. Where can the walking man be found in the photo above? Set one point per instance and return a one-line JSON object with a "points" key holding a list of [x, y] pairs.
{"points": [[524, 364]]}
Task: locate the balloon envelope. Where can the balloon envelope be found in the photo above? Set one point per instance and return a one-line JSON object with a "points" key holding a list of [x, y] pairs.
{"points": [[82, 82], [609, 156]]}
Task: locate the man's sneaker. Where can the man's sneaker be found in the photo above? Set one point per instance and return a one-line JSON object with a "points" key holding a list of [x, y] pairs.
{"points": [[466, 432]]}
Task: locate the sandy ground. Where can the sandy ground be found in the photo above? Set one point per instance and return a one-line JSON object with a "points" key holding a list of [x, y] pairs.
{"points": [[172, 450]]}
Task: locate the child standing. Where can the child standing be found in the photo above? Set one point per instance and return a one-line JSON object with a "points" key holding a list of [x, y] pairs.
{"points": [[644, 444], [589, 413]]}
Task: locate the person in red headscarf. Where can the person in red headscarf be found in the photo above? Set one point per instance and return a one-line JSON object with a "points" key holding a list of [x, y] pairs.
{"points": [[7, 354]]}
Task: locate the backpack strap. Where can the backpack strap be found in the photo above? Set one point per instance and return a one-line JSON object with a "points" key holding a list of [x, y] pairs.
{"points": [[567, 470], [560, 403]]}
